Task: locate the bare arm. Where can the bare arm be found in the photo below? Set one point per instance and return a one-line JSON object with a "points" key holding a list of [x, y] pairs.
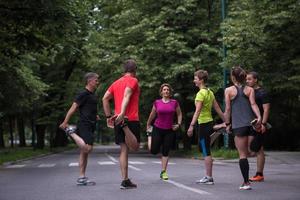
{"points": [[106, 107], [151, 117], [105, 102], [195, 117], [179, 115], [179, 118], [218, 110], [127, 94], [265, 116], [227, 113], [254, 106], [70, 112]]}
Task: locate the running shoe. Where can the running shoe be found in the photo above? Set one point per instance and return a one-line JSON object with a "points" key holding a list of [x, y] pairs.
{"points": [[245, 186], [70, 129], [164, 175], [82, 181], [206, 180], [127, 184], [257, 178]]}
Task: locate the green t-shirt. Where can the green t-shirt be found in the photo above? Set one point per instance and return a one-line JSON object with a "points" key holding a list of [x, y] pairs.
{"points": [[206, 96]]}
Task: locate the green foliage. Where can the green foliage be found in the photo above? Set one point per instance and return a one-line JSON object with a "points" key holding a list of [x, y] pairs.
{"points": [[262, 37], [47, 46], [169, 40]]}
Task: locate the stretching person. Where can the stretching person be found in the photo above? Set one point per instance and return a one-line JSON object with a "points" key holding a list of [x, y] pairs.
{"points": [[163, 130], [86, 102], [240, 105], [125, 92], [204, 102], [263, 102]]}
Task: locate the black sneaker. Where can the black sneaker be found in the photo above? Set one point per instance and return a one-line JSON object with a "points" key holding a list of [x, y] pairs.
{"points": [[127, 184]]}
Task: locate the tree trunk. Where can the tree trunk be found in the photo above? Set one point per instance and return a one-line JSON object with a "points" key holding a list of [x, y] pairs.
{"points": [[21, 132], [11, 134], [2, 144], [40, 136], [33, 133]]}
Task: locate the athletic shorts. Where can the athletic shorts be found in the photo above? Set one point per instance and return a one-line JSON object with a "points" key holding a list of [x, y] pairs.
{"points": [[204, 131], [134, 126], [86, 131], [243, 131], [257, 142]]}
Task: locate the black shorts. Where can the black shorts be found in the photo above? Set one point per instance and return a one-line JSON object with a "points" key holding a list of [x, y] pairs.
{"points": [[204, 131], [243, 131], [86, 132], [257, 142], [134, 126]]}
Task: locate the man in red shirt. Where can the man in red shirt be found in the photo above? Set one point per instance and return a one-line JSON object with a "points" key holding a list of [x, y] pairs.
{"points": [[125, 92]]}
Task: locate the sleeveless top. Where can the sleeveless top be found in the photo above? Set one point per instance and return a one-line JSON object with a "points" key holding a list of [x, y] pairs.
{"points": [[241, 112]]}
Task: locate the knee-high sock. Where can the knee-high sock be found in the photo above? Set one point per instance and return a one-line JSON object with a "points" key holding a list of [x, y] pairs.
{"points": [[244, 166]]}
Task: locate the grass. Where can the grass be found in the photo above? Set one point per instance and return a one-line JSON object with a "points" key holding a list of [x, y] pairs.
{"points": [[221, 153], [18, 153]]}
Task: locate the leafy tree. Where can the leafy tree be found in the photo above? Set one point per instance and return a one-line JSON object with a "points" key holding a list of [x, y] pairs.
{"points": [[261, 36]]}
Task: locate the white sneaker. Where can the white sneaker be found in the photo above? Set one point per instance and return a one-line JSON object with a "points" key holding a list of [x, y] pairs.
{"points": [[206, 180], [245, 186]]}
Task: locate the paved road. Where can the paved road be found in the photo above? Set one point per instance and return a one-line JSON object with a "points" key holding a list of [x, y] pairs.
{"points": [[53, 178]]}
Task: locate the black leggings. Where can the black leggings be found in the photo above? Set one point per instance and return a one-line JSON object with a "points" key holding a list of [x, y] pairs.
{"points": [[163, 139], [204, 132]]}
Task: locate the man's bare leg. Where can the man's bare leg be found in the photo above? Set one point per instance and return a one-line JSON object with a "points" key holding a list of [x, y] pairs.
{"points": [[80, 142], [260, 160], [124, 161]]}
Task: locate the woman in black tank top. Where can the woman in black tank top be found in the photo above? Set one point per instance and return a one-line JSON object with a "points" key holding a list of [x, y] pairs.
{"points": [[240, 106]]}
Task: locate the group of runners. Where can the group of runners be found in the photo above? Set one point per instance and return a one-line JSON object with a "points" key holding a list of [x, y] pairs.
{"points": [[244, 102]]}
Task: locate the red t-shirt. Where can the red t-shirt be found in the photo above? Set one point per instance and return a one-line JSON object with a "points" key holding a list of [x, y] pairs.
{"points": [[117, 89]]}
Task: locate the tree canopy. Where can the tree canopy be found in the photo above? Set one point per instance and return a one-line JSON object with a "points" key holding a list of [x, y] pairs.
{"points": [[47, 46]]}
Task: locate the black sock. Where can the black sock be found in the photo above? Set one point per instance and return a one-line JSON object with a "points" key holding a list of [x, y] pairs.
{"points": [[259, 174], [244, 166]]}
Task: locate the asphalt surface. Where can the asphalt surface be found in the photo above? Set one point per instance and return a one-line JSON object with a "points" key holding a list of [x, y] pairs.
{"points": [[53, 178]]}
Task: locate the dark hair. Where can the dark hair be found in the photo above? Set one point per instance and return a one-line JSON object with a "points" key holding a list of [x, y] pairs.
{"points": [[239, 74], [130, 66], [166, 85], [202, 75], [254, 74], [88, 76]]}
